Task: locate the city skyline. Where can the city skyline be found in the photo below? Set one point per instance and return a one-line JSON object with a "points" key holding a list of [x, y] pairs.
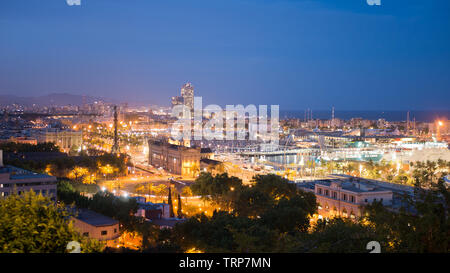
{"points": [[310, 54]]}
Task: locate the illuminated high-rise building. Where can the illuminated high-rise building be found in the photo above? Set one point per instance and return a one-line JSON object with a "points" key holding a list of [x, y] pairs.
{"points": [[187, 92]]}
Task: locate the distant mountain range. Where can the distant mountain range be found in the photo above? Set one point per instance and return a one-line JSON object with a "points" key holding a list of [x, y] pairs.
{"points": [[56, 99]]}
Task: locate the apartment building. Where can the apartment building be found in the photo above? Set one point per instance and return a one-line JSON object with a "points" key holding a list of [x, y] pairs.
{"points": [[346, 196]]}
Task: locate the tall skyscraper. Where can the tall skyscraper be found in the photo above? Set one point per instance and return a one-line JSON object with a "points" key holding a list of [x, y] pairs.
{"points": [[187, 92]]}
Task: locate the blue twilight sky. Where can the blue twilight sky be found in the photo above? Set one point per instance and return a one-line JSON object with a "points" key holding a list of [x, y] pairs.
{"points": [[295, 53]]}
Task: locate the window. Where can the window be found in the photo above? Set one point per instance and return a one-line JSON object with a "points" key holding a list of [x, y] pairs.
{"points": [[352, 199], [365, 200], [319, 191], [86, 234], [115, 230], [327, 192], [335, 195], [344, 197], [104, 232]]}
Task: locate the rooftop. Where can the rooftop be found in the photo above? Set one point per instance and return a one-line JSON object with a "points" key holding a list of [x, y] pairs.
{"points": [[18, 173], [357, 184], [94, 219]]}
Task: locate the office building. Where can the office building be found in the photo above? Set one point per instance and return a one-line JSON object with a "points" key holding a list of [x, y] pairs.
{"points": [[176, 159]]}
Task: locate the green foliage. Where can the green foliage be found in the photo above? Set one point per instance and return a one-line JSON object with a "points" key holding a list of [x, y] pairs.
{"points": [[291, 215], [423, 225], [223, 232], [119, 208], [220, 189], [337, 236], [427, 174], [22, 148], [273, 216], [32, 223], [61, 167], [261, 214]]}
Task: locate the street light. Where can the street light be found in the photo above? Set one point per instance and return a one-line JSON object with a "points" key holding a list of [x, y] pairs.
{"points": [[439, 124]]}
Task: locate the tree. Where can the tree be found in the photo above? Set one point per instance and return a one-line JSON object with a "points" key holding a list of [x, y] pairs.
{"points": [[186, 191], [161, 189], [78, 173], [169, 201], [252, 202], [260, 215], [336, 236], [32, 223], [291, 215], [219, 189], [179, 211], [422, 224], [195, 169]]}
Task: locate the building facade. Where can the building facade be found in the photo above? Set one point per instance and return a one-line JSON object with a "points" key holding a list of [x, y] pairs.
{"points": [[176, 159], [16, 180], [346, 196], [65, 140], [97, 226], [20, 140]]}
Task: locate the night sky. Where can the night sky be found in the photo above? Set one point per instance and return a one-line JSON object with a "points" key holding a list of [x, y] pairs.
{"points": [[298, 54]]}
